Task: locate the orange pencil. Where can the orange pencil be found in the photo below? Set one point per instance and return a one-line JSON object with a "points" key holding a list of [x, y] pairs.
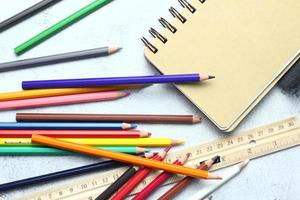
{"points": [[121, 157]]}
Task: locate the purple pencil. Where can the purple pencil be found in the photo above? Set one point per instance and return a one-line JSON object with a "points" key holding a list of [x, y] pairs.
{"points": [[96, 82]]}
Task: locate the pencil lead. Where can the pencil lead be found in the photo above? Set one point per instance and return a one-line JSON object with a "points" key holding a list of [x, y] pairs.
{"points": [[112, 50], [196, 119], [216, 159], [167, 149], [187, 156], [211, 77]]}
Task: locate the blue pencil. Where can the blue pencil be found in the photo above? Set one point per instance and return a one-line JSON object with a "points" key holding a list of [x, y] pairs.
{"points": [[97, 82], [65, 126]]}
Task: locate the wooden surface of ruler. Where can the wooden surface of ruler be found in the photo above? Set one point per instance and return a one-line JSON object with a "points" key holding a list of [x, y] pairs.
{"points": [[248, 145]]}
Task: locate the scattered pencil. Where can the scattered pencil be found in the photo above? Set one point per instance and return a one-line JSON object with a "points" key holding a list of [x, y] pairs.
{"points": [[228, 175], [170, 194], [129, 118], [63, 24], [144, 142], [25, 14], [76, 133], [138, 177], [65, 126], [154, 184], [62, 100], [58, 58], [47, 151], [97, 82], [31, 94]]}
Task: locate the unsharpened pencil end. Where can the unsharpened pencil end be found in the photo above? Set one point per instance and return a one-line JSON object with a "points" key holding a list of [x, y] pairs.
{"points": [[196, 119], [112, 50]]}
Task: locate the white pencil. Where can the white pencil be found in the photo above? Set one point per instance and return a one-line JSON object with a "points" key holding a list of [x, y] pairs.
{"points": [[207, 190]]}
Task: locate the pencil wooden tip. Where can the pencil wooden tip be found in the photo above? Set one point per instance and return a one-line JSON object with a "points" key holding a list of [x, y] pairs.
{"points": [[206, 77], [167, 149], [142, 150], [196, 119], [177, 142], [243, 164], [123, 93], [145, 134], [213, 176], [112, 50], [129, 126]]}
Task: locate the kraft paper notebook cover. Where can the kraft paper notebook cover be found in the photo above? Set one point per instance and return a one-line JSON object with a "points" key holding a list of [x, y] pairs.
{"points": [[247, 44]]}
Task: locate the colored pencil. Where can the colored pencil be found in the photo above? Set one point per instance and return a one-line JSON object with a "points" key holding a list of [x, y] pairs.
{"points": [[170, 194], [25, 14], [135, 118], [30, 94], [96, 82], [138, 177], [58, 58], [47, 151], [59, 175], [62, 100], [104, 165], [144, 142], [116, 185], [121, 157], [75, 133], [161, 178], [228, 175], [56, 28], [65, 126]]}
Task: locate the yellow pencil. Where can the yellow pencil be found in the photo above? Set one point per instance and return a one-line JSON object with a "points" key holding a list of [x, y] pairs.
{"points": [[29, 94], [144, 142]]}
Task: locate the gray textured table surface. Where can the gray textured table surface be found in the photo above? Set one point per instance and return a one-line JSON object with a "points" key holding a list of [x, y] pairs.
{"points": [[122, 23]]}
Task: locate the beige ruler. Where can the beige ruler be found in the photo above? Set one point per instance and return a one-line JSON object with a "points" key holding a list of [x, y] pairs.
{"points": [[250, 144]]}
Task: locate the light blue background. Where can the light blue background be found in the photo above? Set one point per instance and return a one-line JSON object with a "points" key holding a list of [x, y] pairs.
{"points": [[123, 23]]}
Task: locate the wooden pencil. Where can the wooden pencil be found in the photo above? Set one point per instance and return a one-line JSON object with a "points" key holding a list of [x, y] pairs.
{"points": [[25, 14], [58, 58], [75, 133], [136, 118], [62, 100], [126, 158], [176, 189], [157, 181], [138, 177], [144, 142], [31, 94]]}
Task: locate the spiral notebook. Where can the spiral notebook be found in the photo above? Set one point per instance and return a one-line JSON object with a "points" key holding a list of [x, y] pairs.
{"points": [[247, 44]]}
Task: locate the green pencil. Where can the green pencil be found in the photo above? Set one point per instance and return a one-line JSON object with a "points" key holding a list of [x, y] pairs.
{"points": [[30, 151], [29, 44]]}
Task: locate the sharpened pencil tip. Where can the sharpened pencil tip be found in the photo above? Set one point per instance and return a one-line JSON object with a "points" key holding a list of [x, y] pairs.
{"points": [[112, 50], [244, 163], [129, 126], [176, 142], [196, 119], [144, 134], [167, 149], [211, 77]]}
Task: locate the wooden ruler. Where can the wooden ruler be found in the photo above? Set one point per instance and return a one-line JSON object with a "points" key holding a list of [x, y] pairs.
{"points": [[248, 145]]}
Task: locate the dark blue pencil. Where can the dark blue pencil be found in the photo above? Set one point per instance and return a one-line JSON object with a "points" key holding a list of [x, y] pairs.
{"points": [[65, 126], [97, 82]]}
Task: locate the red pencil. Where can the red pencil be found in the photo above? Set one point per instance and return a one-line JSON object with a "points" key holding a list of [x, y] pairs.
{"points": [[138, 177], [158, 180], [75, 133]]}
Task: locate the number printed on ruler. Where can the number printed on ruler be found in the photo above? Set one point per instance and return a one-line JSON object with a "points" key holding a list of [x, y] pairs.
{"points": [[250, 144]]}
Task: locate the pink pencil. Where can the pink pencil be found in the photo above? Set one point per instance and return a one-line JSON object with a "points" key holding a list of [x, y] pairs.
{"points": [[62, 100], [158, 181]]}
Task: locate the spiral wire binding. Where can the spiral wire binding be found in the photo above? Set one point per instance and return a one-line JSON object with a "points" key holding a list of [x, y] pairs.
{"points": [[186, 4], [166, 24]]}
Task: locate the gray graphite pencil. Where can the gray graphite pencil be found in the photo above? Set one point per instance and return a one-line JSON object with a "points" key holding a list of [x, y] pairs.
{"points": [[58, 58], [26, 14]]}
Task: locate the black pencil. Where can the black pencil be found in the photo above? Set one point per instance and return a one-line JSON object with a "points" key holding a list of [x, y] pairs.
{"points": [[117, 184], [60, 174], [58, 58], [25, 14]]}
